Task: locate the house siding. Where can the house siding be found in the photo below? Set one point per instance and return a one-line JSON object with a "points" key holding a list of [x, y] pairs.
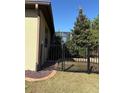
{"points": [[35, 50], [31, 29], [43, 26]]}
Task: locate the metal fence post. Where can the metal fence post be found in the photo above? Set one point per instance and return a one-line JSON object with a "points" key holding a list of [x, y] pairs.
{"points": [[62, 58], [88, 59]]}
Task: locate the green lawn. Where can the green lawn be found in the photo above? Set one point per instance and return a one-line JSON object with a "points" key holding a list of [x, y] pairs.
{"points": [[66, 82]]}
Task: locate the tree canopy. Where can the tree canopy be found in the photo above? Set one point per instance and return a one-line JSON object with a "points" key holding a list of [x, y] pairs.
{"points": [[84, 33]]}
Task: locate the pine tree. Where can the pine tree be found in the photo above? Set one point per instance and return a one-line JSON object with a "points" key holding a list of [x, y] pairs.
{"points": [[95, 23], [84, 33], [94, 38], [80, 35], [80, 32]]}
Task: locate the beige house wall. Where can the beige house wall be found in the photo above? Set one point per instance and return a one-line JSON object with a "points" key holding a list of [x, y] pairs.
{"points": [[48, 46], [31, 32], [42, 36], [35, 27], [43, 26]]}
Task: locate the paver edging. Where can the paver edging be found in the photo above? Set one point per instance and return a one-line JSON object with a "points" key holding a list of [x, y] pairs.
{"points": [[43, 78]]}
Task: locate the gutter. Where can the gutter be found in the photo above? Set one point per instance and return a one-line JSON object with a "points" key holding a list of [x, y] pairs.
{"points": [[37, 2]]}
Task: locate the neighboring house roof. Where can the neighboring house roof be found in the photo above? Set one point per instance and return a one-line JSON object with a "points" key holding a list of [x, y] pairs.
{"points": [[45, 6]]}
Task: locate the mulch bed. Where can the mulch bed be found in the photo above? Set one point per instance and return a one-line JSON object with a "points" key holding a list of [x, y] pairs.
{"points": [[36, 75]]}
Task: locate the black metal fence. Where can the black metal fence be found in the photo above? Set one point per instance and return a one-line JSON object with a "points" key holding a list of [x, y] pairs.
{"points": [[86, 59]]}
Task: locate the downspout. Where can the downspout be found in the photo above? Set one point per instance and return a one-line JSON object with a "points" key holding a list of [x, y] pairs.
{"points": [[37, 45]]}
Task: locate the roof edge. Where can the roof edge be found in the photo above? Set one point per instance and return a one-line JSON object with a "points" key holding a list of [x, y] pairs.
{"points": [[37, 2]]}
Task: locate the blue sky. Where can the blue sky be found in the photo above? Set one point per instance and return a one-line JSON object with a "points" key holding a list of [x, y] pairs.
{"points": [[66, 11]]}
